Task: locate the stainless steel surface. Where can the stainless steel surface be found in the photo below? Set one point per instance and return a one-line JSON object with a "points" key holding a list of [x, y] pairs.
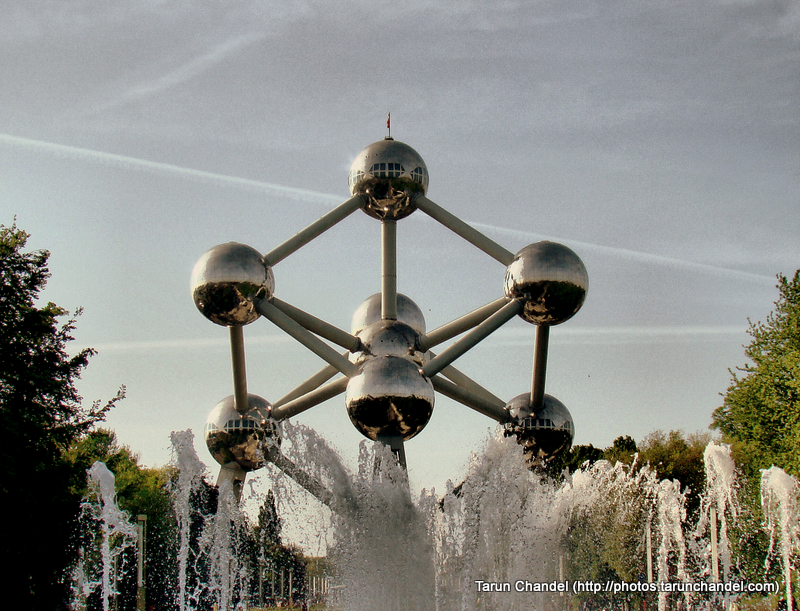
{"points": [[389, 396], [235, 476], [226, 279], [543, 434], [305, 337], [312, 231], [305, 480], [458, 326], [471, 339], [389, 373], [317, 325], [312, 383], [239, 441], [310, 399], [369, 312], [472, 400], [539, 366], [467, 383], [388, 269], [395, 444], [551, 281], [388, 173], [239, 369], [459, 227], [388, 338]]}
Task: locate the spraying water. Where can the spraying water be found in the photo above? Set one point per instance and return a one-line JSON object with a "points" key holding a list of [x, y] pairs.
{"points": [[112, 533], [502, 526], [779, 501]]}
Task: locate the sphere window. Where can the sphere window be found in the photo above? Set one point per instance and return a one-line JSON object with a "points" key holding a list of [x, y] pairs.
{"points": [[420, 175], [356, 177]]}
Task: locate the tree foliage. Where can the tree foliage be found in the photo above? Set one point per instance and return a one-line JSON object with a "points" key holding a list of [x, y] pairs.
{"points": [[41, 415], [760, 414], [140, 491]]}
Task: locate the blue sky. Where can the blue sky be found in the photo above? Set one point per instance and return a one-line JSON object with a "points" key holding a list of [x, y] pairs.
{"points": [[659, 141]]}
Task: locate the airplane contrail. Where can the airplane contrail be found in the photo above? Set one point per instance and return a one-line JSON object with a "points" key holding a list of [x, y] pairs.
{"points": [[183, 73], [328, 200], [155, 167]]}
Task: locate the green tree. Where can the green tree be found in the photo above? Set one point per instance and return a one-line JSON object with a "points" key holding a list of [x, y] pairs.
{"points": [[675, 456], [140, 491], [41, 414], [622, 450], [760, 413]]}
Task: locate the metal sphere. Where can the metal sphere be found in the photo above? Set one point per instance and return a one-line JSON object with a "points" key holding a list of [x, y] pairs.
{"points": [[226, 279], [369, 312], [550, 280], [389, 396], [241, 440], [388, 338], [388, 172], [544, 434]]}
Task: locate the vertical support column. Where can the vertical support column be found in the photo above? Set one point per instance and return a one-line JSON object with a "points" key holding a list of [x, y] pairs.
{"points": [[239, 369], [539, 366], [395, 444], [141, 590], [388, 269]]}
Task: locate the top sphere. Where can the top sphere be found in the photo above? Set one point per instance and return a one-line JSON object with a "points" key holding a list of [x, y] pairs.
{"points": [[550, 280], [226, 279], [388, 172]]}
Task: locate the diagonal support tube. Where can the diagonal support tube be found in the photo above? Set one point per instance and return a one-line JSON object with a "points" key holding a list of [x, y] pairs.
{"points": [[318, 326], [471, 339], [305, 337], [312, 383], [471, 400], [467, 383], [459, 325], [315, 229], [303, 479], [469, 233], [310, 399]]}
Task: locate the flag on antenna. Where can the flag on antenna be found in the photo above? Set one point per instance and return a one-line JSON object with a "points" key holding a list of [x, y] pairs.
{"points": [[389, 124]]}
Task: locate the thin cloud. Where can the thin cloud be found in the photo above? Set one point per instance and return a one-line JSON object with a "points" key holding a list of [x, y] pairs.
{"points": [[183, 73]]}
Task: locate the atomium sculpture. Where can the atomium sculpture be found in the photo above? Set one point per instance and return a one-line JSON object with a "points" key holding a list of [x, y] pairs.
{"points": [[389, 375]]}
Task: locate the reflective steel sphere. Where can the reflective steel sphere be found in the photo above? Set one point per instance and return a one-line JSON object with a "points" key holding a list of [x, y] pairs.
{"points": [[388, 338], [389, 396], [550, 280], [543, 435], [244, 440], [388, 172], [369, 312], [226, 279]]}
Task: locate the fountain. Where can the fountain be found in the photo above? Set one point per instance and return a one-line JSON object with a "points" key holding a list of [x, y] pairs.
{"points": [[505, 538], [779, 499], [107, 530]]}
